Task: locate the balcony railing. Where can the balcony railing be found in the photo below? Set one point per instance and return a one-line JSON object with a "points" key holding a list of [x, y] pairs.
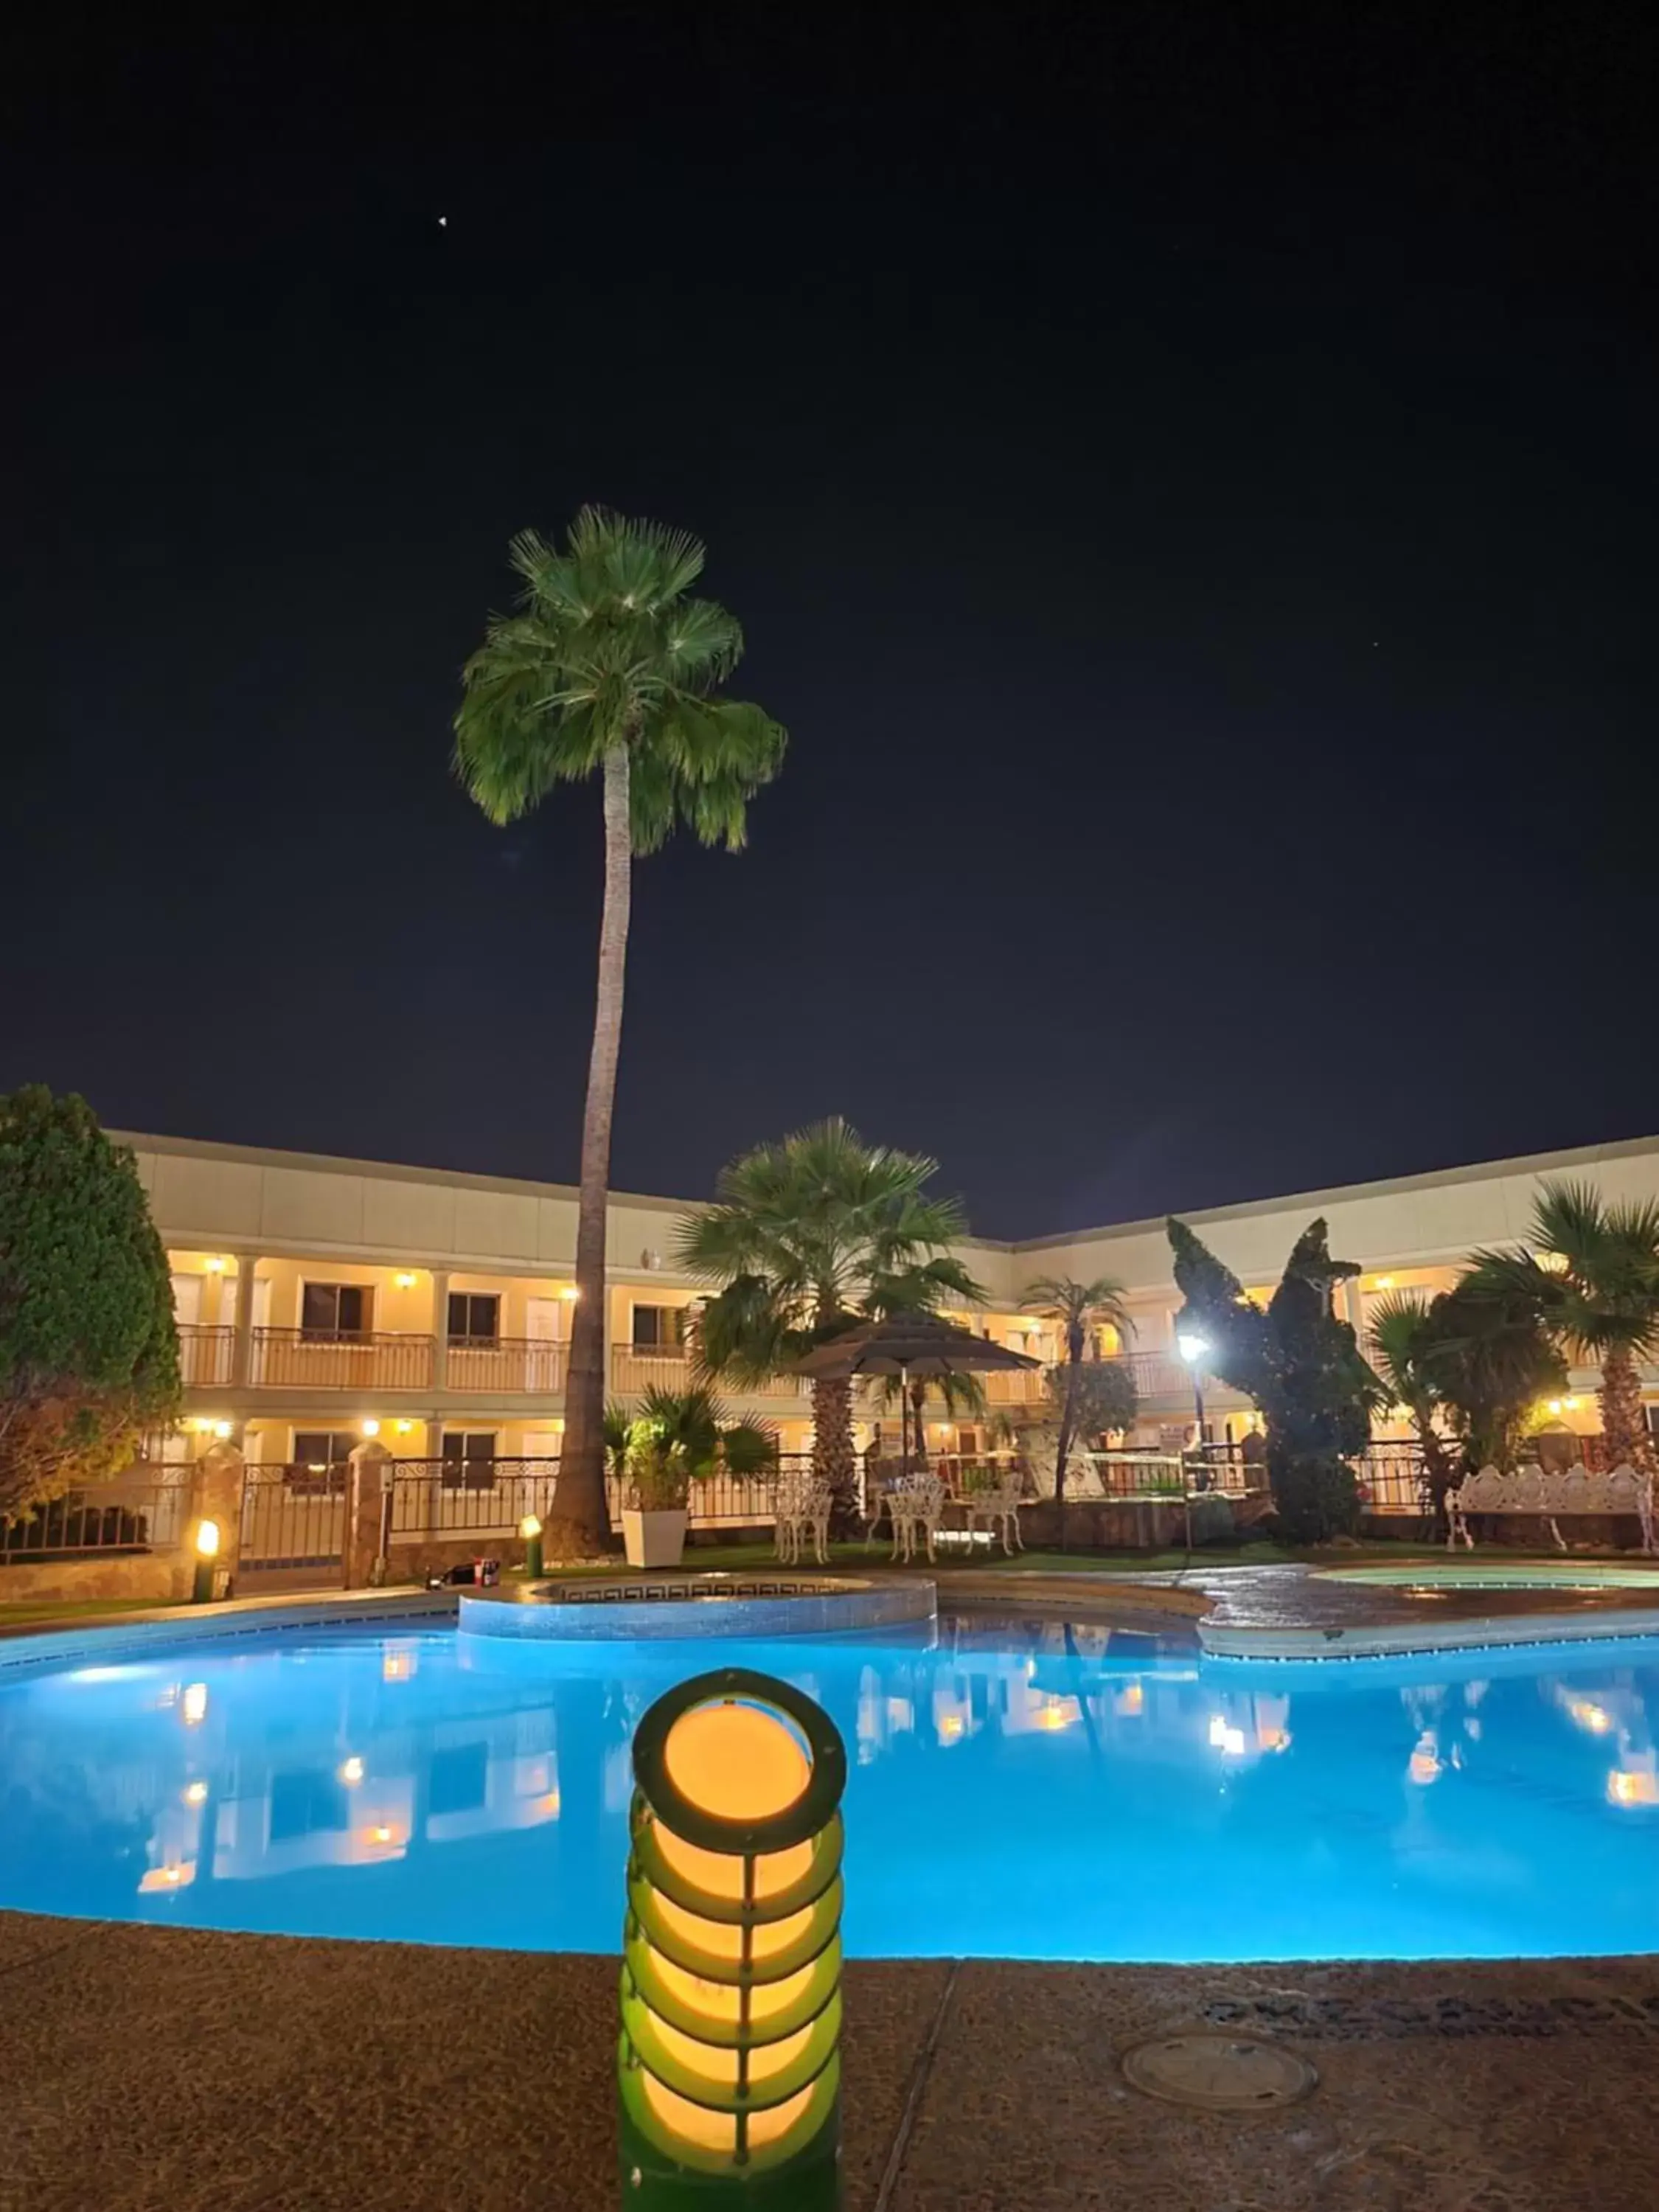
{"points": [[339, 1359], [507, 1363], [1014, 1386], [205, 1356], [636, 1368]]}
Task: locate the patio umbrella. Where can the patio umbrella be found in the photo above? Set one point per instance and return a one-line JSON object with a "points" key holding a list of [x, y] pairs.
{"points": [[906, 1345]]}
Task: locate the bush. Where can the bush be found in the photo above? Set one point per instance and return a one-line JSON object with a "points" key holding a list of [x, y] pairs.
{"points": [[88, 1350]]}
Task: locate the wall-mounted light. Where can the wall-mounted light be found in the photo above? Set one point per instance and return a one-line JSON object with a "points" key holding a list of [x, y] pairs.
{"points": [[405, 1428], [215, 1267], [729, 2066], [570, 1290], [405, 1280], [370, 1428]]}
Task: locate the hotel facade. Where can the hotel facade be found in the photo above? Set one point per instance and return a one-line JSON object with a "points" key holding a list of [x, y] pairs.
{"points": [[323, 1302]]}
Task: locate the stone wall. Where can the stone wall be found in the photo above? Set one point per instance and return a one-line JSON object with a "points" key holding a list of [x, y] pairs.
{"points": [[164, 1576]]}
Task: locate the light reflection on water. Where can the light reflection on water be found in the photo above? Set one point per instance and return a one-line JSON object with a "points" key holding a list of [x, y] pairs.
{"points": [[1018, 1789]]}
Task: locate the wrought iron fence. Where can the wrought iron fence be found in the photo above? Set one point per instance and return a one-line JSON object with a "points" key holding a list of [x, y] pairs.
{"points": [[431, 1499], [293, 1515], [340, 1359], [206, 1356], [506, 1362], [132, 1517]]}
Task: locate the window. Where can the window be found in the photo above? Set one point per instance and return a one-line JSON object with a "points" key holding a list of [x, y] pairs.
{"points": [[659, 1328], [329, 1310], [320, 1457], [475, 1314], [469, 1456]]}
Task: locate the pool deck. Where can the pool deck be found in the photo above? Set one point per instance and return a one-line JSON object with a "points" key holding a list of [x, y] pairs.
{"points": [[155, 2068]]}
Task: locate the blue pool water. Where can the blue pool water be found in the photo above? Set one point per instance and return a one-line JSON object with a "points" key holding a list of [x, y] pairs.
{"points": [[1016, 1791]]}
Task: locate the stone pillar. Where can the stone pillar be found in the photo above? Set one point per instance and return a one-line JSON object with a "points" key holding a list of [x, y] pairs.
{"points": [[241, 1356], [1356, 1304], [216, 1495], [441, 1328], [365, 1493]]}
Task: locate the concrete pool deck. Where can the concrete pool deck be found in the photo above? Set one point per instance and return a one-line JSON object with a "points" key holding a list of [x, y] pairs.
{"points": [[153, 2067]]}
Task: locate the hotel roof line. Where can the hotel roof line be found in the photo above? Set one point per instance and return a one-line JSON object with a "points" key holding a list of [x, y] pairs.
{"points": [[1532, 1164]]}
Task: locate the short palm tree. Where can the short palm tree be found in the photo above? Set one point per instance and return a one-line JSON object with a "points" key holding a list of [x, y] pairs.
{"points": [[806, 1238], [1492, 1359], [1078, 1308], [1405, 1348], [1591, 1269], [610, 668]]}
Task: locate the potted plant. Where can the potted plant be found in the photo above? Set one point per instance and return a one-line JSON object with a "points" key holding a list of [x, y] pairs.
{"points": [[655, 1516]]}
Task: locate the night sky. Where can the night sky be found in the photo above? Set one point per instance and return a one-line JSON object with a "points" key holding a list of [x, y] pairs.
{"points": [[1188, 478]]}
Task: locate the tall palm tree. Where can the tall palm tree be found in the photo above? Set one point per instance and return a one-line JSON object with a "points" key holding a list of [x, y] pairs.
{"points": [[806, 1238], [610, 668], [1591, 1266], [1404, 1346], [1492, 1359], [1079, 1308]]}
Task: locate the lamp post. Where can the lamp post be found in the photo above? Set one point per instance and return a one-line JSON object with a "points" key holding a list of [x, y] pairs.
{"points": [[1192, 1347]]}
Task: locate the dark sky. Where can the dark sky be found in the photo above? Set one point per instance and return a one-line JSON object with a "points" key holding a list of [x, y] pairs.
{"points": [[1188, 477]]}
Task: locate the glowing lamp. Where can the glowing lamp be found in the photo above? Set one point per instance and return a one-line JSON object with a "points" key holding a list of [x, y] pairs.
{"points": [[531, 1529], [1192, 1347], [405, 1281], [207, 1550], [728, 2065]]}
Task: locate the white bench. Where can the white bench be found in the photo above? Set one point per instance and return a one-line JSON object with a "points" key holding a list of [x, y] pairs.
{"points": [[1531, 1489]]}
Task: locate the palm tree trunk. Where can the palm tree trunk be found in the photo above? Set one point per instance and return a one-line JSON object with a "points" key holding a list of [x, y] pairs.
{"points": [[1623, 1422], [578, 1526], [1063, 1449], [833, 1461]]}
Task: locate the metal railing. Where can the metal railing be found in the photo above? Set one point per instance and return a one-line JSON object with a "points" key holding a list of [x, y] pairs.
{"points": [[507, 1363], [636, 1369], [133, 1516], [293, 1515], [340, 1359], [434, 1498], [205, 1355], [1014, 1386]]}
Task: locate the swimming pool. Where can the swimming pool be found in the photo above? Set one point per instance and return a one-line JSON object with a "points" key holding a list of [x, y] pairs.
{"points": [[1018, 1789]]}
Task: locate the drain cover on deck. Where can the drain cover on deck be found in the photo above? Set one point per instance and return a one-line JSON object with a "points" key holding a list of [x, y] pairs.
{"points": [[1222, 2073]]}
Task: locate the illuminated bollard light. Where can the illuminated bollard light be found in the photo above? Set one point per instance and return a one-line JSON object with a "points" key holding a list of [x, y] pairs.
{"points": [[531, 1529], [207, 1554], [728, 2066]]}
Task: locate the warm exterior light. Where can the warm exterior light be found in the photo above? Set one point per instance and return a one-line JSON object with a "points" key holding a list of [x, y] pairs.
{"points": [[405, 1281], [370, 1428], [351, 1771], [1553, 1263], [531, 1529], [1383, 1283], [221, 1430], [405, 1428], [207, 1550], [215, 1267], [1572, 1404], [728, 2067], [207, 1540], [1191, 1345], [1553, 1406], [570, 1290]]}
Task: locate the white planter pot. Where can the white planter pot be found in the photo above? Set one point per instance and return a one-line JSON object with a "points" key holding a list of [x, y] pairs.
{"points": [[654, 1539]]}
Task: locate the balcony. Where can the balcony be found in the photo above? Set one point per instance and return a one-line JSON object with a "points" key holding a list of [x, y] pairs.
{"points": [[1014, 1386], [205, 1356], [508, 1363], [339, 1359], [638, 1367]]}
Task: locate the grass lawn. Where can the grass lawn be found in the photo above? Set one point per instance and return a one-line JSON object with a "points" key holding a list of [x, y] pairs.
{"points": [[77, 1608]]}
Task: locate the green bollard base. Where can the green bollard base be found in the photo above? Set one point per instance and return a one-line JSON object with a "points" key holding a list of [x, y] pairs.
{"points": [[202, 1588], [809, 2182], [532, 1559]]}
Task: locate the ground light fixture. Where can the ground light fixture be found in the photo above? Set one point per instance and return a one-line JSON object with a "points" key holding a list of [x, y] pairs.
{"points": [[207, 1552], [728, 2065], [531, 1529]]}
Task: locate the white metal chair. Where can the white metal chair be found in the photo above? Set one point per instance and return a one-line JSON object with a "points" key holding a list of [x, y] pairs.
{"points": [[802, 1508], [998, 1508], [917, 1506]]}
